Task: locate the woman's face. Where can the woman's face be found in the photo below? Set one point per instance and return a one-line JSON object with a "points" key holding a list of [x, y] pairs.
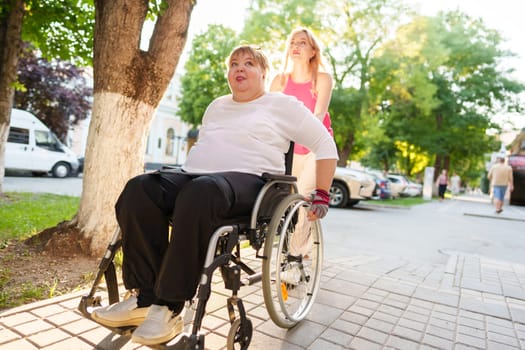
{"points": [[245, 77], [300, 48]]}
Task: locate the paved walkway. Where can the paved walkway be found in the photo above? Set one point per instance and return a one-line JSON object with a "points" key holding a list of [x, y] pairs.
{"points": [[366, 302]]}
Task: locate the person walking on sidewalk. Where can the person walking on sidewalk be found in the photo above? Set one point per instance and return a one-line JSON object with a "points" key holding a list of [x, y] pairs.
{"points": [[442, 183], [500, 176], [455, 184]]}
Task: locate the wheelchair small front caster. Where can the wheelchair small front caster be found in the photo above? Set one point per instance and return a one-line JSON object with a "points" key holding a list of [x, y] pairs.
{"points": [[240, 335]]}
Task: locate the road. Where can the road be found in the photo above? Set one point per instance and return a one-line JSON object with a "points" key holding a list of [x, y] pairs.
{"points": [[422, 233], [70, 186], [428, 231]]}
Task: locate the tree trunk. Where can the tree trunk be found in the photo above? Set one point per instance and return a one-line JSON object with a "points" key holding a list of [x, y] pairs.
{"points": [[344, 153], [10, 46], [129, 84], [111, 159]]}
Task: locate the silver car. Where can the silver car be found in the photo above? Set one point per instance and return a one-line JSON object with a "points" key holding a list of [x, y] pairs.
{"points": [[408, 188], [350, 186]]}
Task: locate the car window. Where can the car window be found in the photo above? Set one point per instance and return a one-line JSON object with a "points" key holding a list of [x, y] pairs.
{"points": [[18, 135], [47, 140]]}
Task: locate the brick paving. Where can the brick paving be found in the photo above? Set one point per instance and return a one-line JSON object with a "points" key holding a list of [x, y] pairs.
{"points": [[365, 302]]}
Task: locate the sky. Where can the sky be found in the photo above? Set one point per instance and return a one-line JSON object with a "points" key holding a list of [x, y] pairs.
{"points": [[502, 15]]}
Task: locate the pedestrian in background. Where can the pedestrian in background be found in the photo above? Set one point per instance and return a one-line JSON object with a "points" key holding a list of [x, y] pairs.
{"points": [[304, 77], [455, 184], [500, 176], [442, 183]]}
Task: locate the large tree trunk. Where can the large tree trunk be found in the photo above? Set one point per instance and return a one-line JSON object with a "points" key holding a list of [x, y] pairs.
{"points": [[344, 153], [111, 159], [10, 46], [129, 84]]}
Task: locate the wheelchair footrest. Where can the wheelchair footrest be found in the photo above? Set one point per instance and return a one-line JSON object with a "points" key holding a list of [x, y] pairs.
{"points": [[185, 341]]}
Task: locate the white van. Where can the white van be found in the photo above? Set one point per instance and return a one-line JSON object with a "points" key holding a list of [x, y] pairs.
{"points": [[33, 147]]}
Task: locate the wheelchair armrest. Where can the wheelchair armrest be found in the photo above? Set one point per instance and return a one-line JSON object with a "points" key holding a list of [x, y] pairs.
{"points": [[175, 168], [279, 177]]}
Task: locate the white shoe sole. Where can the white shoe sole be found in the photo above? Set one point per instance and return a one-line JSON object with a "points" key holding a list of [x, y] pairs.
{"points": [[137, 321], [176, 330]]}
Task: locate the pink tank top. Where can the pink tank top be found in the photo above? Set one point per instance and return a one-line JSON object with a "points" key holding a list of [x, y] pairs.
{"points": [[303, 92]]}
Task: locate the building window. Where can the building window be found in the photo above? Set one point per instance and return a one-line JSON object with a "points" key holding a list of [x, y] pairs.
{"points": [[170, 144]]}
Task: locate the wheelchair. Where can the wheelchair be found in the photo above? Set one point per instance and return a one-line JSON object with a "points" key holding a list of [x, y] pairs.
{"points": [[269, 230]]}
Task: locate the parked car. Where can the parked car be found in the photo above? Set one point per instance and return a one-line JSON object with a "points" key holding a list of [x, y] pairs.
{"points": [[382, 189], [411, 188], [350, 186], [398, 184], [31, 146], [517, 162]]}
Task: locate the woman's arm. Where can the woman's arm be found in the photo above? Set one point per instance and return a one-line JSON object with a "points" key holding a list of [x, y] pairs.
{"points": [[277, 84], [324, 173], [324, 93], [325, 169]]}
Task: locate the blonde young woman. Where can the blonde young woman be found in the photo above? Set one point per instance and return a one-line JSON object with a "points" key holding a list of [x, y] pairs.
{"points": [[303, 76]]}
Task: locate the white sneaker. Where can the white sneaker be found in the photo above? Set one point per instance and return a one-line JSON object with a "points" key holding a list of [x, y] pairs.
{"points": [[160, 326], [291, 276], [125, 313]]}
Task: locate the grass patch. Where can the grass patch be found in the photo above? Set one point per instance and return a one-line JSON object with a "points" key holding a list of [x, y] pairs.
{"points": [[400, 202], [25, 214]]}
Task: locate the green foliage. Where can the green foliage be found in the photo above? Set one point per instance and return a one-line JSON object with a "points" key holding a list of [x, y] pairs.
{"points": [[55, 91], [205, 72], [46, 211], [61, 28], [398, 202], [437, 84], [279, 18], [345, 115]]}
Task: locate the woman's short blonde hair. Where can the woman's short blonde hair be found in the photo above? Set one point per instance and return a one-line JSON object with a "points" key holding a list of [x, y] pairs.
{"points": [[253, 51]]}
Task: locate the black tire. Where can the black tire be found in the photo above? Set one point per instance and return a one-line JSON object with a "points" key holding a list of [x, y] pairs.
{"points": [[236, 335], [61, 170], [288, 303], [338, 195], [353, 202]]}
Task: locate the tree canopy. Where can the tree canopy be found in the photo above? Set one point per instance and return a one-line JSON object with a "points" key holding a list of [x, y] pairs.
{"points": [[56, 91], [57, 28], [437, 84]]}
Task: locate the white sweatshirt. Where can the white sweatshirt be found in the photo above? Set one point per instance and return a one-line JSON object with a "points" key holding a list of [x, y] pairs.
{"points": [[252, 137]]}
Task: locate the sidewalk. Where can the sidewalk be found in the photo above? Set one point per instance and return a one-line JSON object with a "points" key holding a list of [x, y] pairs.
{"points": [[366, 302]]}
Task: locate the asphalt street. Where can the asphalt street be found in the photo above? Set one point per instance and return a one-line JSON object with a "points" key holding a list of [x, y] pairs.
{"points": [[430, 231]]}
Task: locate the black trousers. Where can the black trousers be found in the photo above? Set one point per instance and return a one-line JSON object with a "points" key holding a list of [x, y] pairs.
{"points": [[441, 190], [165, 266]]}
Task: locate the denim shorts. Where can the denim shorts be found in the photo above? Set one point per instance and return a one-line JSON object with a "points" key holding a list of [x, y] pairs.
{"points": [[499, 192]]}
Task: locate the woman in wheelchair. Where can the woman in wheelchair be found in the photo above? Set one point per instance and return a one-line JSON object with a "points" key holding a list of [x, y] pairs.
{"points": [[243, 135]]}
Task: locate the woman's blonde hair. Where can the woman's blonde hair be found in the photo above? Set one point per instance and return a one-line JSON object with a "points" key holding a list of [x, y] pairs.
{"points": [[253, 51], [316, 62]]}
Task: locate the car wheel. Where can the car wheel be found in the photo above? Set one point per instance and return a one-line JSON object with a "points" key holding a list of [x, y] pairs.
{"points": [[61, 170], [338, 195]]}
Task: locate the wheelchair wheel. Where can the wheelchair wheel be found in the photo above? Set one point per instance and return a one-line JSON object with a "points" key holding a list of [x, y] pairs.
{"points": [[290, 282], [239, 337]]}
